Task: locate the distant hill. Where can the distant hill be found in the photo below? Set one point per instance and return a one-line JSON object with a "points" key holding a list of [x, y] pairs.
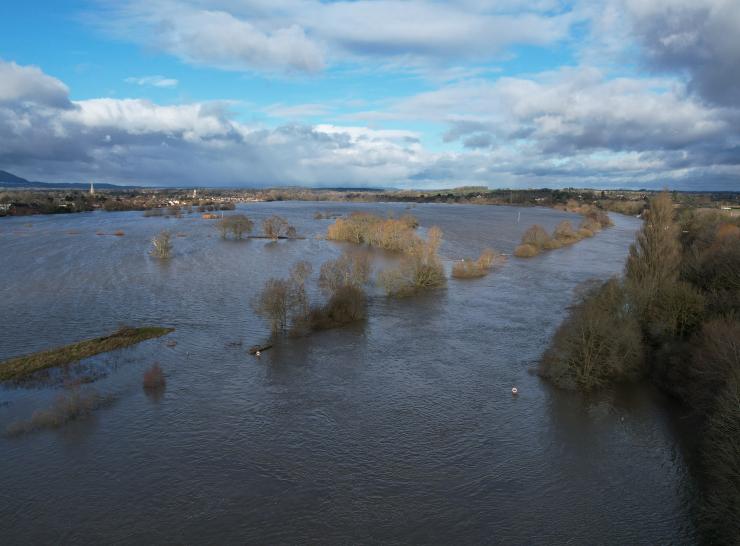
{"points": [[9, 180]]}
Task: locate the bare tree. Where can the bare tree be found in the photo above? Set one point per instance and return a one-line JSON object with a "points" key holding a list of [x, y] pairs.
{"points": [[237, 225], [273, 304], [274, 226]]}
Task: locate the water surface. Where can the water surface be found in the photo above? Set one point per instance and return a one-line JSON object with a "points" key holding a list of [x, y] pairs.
{"points": [[399, 430]]}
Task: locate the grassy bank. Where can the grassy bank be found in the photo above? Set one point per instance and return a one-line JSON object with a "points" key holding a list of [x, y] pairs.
{"points": [[23, 366]]}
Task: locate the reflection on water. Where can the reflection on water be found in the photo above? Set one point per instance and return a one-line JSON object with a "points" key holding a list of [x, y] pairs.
{"points": [[399, 430]]}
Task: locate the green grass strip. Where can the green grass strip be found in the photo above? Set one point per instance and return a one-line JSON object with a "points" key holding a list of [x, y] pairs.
{"points": [[23, 366]]}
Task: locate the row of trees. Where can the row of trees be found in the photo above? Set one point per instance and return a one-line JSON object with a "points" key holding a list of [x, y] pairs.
{"points": [[238, 225], [674, 318]]}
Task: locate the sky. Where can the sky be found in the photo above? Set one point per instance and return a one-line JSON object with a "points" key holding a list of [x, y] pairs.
{"points": [[373, 93]]}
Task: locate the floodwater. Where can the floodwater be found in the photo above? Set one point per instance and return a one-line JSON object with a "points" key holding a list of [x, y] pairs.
{"points": [[400, 430]]}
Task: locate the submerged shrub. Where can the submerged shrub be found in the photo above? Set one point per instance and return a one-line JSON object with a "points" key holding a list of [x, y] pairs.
{"points": [[74, 404], [599, 343], [154, 378], [350, 269], [565, 233], [162, 245], [468, 269], [347, 304], [535, 236], [526, 251], [387, 233], [420, 268]]}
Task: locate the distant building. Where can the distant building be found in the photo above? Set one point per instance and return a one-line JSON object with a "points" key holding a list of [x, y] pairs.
{"points": [[195, 193], [92, 189]]}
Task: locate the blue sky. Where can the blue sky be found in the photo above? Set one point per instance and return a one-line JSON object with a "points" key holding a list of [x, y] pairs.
{"points": [[391, 93]]}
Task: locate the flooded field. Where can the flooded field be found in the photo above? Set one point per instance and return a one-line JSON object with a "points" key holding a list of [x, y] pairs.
{"points": [[399, 430]]}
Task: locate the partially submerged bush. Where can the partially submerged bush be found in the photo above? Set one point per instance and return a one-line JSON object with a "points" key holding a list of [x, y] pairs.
{"points": [[599, 343], [387, 233], [468, 269], [162, 245], [535, 236], [526, 251], [420, 268], [347, 304], [553, 244], [565, 233], [236, 225], [350, 269]]}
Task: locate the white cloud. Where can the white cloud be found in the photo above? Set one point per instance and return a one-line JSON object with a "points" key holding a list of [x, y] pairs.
{"points": [[571, 127], [154, 81], [305, 35]]}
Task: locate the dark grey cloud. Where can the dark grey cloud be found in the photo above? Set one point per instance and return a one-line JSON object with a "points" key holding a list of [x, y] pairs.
{"points": [[698, 38]]}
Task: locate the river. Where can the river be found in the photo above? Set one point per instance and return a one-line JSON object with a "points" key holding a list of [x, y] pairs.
{"points": [[399, 430]]}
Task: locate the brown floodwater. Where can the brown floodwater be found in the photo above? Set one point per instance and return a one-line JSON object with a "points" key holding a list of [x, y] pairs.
{"points": [[399, 430]]}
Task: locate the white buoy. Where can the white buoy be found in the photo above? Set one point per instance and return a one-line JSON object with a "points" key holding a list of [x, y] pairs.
{"points": [[258, 353], [514, 391]]}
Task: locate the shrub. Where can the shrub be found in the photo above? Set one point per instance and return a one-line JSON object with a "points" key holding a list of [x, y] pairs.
{"points": [[347, 304], [275, 227], [590, 224], [420, 268], [468, 269], [553, 244], [237, 225], [162, 245], [350, 269], [387, 233], [565, 233], [583, 233], [535, 236], [526, 251], [599, 343], [154, 378]]}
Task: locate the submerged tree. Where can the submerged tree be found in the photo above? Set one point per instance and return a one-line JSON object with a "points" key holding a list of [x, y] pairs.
{"points": [[284, 302], [237, 225], [599, 342], [275, 227]]}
